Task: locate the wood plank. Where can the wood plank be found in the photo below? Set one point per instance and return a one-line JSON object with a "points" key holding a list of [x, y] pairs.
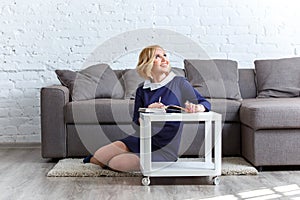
{"points": [[23, 176]]}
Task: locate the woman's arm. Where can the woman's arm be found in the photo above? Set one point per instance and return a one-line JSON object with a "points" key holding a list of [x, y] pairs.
{"points": [[138, 103], [195, 102]]}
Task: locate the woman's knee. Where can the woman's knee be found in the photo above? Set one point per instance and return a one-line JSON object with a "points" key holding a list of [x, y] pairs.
{"points": [[117, 146], [125, 162], [107, 152], [115, 164], [121, 145]]}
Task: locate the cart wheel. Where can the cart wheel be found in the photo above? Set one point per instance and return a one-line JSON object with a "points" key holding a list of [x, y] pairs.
{"points": [[216, 180], [146, 181]]}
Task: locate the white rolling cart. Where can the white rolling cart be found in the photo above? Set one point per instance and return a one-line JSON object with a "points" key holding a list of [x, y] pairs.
{"points": [[206, 166]]}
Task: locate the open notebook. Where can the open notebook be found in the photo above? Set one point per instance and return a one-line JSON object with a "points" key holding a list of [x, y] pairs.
{"points": [[166, 109]]}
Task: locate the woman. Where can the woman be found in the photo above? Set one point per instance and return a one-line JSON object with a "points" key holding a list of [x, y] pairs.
{"points": [[161, 87]]}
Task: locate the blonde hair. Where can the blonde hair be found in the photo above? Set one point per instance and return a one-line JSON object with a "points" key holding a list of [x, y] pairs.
{"points": [[145, 62]]}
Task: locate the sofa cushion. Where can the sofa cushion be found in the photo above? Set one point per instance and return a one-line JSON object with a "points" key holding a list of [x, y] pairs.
{"points": [[278, 78], [102, 110], [214, 78], [132, 80], [97, 81], [271, 113], [178, 71], [121, 110], [66, 78], [88, 83], [229, 109], [247, 83]]}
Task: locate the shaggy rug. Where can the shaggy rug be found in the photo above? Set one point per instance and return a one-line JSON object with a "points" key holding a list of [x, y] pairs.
{"points": [[75, 168]]}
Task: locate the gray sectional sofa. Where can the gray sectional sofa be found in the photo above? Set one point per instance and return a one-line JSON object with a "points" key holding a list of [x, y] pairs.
{"points": [[260, 109]]}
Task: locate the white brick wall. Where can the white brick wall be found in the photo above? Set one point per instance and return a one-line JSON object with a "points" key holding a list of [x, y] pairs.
{"points": [[37, 37]]}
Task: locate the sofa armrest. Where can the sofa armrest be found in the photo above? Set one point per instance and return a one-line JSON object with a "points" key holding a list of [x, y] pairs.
{"points": [[53, 128]]}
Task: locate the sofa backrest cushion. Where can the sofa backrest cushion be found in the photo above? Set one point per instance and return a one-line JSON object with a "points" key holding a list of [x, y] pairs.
{"points": [[214, 78], [66, 78], [97, 81], [132, 80], [178, 71], [247, 83], [278, 77]]}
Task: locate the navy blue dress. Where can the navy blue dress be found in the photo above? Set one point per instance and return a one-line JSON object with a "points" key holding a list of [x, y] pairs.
{"points": [[165, 135]]}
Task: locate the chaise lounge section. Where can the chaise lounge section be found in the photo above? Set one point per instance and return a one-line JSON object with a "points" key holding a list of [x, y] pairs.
{"points": [[270, 124], [271, 131]]}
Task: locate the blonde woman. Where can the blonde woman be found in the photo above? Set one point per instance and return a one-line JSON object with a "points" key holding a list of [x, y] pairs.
{"points": [[161, 87]]}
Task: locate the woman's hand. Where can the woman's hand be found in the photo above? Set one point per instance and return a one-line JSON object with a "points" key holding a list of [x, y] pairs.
{"points": [[156, 105], [193, 108]]}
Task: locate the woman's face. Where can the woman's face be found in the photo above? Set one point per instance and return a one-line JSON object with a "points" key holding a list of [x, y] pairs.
{"points": [[160, 63]]}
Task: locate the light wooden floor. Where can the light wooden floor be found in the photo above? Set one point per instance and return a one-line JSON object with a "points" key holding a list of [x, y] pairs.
{"points": [[23, 176]]}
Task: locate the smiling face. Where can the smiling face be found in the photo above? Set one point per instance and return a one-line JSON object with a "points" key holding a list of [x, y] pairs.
{"points": [[161, 64], [153, 64]]}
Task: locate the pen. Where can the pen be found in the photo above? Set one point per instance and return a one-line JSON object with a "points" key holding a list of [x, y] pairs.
{"points": [[159, 99]]}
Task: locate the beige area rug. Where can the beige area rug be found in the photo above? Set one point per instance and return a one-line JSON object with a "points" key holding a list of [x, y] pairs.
{"points": [[76, 168]]}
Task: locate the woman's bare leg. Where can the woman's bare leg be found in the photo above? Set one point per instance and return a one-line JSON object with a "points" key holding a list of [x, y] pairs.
{"points": [[103, 155], [125, 162]]}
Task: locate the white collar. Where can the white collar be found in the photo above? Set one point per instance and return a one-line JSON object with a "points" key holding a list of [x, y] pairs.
{"points": [[154, 86]]}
